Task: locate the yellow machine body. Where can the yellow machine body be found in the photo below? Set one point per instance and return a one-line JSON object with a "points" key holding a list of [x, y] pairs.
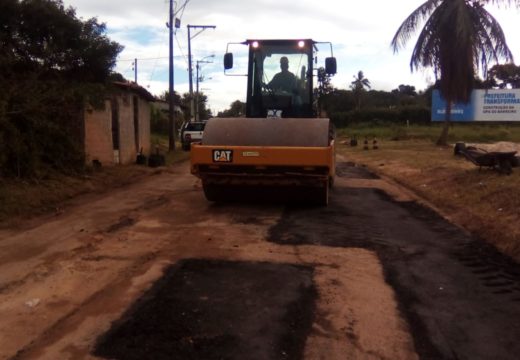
{"points": [[281, 147], [238, 156]]}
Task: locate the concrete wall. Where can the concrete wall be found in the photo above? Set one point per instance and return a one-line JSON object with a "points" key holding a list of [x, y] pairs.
{"points": [[98, 131], [144, 126], [127, 151], [98, 135]]}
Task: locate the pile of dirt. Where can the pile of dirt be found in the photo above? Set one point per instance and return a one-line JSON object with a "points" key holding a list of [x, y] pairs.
{"points": [[501, 146]]}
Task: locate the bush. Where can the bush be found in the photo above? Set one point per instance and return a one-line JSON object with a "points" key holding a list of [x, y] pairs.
{"points": [[51, 64], [382, 116], [398, 132], [158, 121], [44, 133]]}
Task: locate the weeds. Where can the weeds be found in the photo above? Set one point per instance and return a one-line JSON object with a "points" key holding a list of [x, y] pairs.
{"points": [[458, 132], [34, 196]]}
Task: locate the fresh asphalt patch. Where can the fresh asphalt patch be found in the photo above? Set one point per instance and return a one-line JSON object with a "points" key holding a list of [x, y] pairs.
{"points": [[212, 309], [459, 295]]}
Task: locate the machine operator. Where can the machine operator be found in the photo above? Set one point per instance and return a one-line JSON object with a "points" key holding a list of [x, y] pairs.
{"points": [[284, 80]]}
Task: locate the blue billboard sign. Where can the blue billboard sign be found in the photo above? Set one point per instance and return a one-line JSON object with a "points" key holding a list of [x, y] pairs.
{"points": [[484, 105]]}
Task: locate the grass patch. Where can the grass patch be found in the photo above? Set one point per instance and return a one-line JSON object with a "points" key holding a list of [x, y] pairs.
{"points": [[458, 132], [484, 202], [161, 142]]}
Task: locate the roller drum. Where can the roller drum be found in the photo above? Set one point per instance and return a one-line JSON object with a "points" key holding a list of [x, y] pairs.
{"points": [[298, 132]]}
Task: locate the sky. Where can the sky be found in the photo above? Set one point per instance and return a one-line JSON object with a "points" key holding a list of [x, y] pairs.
{"points": [[360, 31]]}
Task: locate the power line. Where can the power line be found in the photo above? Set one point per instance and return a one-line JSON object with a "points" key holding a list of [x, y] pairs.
{"points": [[180, 49], [144, 59], [171, 107], [172, 24], [165, 34], [182, 8]]}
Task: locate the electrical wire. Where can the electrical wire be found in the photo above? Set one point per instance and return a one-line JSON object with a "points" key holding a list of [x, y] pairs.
{"points": [[181, 10], [183, 56], [145, 59], [181, 51], [165, 34]]}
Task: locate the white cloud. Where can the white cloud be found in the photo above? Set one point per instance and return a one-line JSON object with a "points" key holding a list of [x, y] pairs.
{"points": [[360, 31]]}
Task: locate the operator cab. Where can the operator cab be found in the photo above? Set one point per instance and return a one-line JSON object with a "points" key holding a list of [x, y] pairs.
{"points": [[280, 78]]}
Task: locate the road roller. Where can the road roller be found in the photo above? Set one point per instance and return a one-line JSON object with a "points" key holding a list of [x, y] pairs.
{"points": [[281, 150]]}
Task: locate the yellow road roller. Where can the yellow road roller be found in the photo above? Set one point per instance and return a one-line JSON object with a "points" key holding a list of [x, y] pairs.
{"points": [[281, 150]]}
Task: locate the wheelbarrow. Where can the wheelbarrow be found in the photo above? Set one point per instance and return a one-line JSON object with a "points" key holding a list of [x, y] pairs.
{"points": [[503, 162]]}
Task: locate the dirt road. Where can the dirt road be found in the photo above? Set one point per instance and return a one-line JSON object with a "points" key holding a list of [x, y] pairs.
{"points": [[154, 271]]}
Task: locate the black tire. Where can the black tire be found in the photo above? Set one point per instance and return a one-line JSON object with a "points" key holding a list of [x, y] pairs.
{"points": [[458, 148], [213, 192], [331, 181], [321, 195]]}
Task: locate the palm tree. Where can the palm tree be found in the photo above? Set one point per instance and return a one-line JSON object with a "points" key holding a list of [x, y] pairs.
{"points": [[358, 86], [458, 37]]}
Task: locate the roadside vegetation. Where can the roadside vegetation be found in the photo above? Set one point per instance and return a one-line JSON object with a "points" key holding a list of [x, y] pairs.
{"points": [[52, 64], [458, 132], [462, 27], [23, 198], [160, 144], [484, 202]]}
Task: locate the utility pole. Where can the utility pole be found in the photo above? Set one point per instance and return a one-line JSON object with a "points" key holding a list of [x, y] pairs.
{"points": [[199, 78], [190, 67], [135, 70], [171, 118], [197, 99]]}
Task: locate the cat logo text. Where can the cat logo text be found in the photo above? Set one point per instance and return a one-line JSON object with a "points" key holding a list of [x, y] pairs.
{"points": [[222, 156]]}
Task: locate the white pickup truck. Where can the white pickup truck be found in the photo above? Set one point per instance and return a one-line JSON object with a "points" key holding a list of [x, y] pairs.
{"points": [[191, 132]]}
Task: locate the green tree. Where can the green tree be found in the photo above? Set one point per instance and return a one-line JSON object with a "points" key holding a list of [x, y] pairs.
{"points": [[176, 97], [405, 94], [358, 87], [338, 101], [236, 109], [204, 111], [51, 64], [505, 76], [405, 90], [458, 37], [324, 88], [160, 123], [382, 99]]}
